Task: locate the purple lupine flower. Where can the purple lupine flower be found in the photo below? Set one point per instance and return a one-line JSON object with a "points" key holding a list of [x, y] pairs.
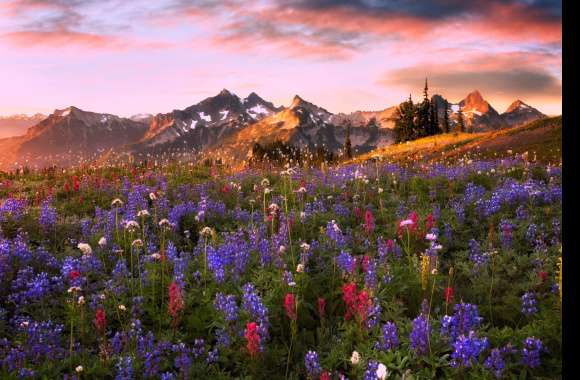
{"points": [[389, 340], [371, 371], [371, 275], [168, 376], [288, 278], [420, 333], [334, 233], [13, 208], [226, 304], [212, 356], [475, 255], [495, 363], [373, 314], [531, 234], [222, 338], [48, 215], [531, 352], [215, 263], [124, 368], [459, 212], [466, 349], [465, 318], [180, 265], [183, 360], [198, 349], [346, 262], [312, 365], [529, 304]]}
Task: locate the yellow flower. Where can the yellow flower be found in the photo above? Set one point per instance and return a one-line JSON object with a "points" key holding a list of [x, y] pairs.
{"points": [[424, 270]]}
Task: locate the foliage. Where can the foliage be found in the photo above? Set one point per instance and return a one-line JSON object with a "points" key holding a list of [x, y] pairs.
{"points": [[187, 271]]}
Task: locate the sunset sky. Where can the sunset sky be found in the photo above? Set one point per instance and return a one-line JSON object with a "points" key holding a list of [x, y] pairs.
{"points": [[137, 56]]}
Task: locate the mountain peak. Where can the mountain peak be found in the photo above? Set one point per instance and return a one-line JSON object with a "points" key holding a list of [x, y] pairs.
{"points": [[296, 101], [475, 102], [253, 97], [225, 92], [66, 111], [517, 104], [474, 97]]}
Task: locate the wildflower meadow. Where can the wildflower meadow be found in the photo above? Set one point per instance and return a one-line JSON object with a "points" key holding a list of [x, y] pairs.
{"points": [[373, 270]]}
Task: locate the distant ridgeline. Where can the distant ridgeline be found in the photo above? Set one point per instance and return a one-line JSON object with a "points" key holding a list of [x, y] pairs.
{"points": [[234, 130]]}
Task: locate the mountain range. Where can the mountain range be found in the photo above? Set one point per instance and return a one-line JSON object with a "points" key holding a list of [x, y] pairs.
{"points": [[225, 126], [16, 125]]}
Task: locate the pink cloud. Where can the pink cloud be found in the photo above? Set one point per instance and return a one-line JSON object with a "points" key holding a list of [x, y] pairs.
{"points": [[62, 38]]}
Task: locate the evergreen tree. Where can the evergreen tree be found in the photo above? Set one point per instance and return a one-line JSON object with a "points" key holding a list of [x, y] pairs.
{"points": [[433, 119], [347, 143], [405, 121], [461, 122], [446, 117], [423, 127]]}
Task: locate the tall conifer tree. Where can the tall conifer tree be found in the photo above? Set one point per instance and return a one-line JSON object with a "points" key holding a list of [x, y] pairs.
{"points": [[446, 117]]}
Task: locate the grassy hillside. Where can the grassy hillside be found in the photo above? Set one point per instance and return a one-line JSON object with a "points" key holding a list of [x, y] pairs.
{"points": [[540, 138]]}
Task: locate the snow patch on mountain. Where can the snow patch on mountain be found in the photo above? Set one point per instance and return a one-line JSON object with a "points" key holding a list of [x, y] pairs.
{"points": [[205, 117]]}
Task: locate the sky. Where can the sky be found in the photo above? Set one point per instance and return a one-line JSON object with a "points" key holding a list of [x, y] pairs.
{"points": [[137, 56]]}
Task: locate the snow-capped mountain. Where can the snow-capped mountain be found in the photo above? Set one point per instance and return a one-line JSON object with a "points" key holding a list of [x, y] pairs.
{"points": [[16, 125], [227, 126], [519, 113], [204, 123], [69, 135], [303, 125]]}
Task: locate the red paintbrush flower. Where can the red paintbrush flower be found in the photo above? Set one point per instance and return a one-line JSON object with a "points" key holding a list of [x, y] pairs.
{"points": [[369, 222], [365, 263], [252, 338], [100, 320], [349, 298], [429, 222], [325, 375], [176, 303], [290, 306], [73, 275], [448, 295], [363, 301], [76, 185]]}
